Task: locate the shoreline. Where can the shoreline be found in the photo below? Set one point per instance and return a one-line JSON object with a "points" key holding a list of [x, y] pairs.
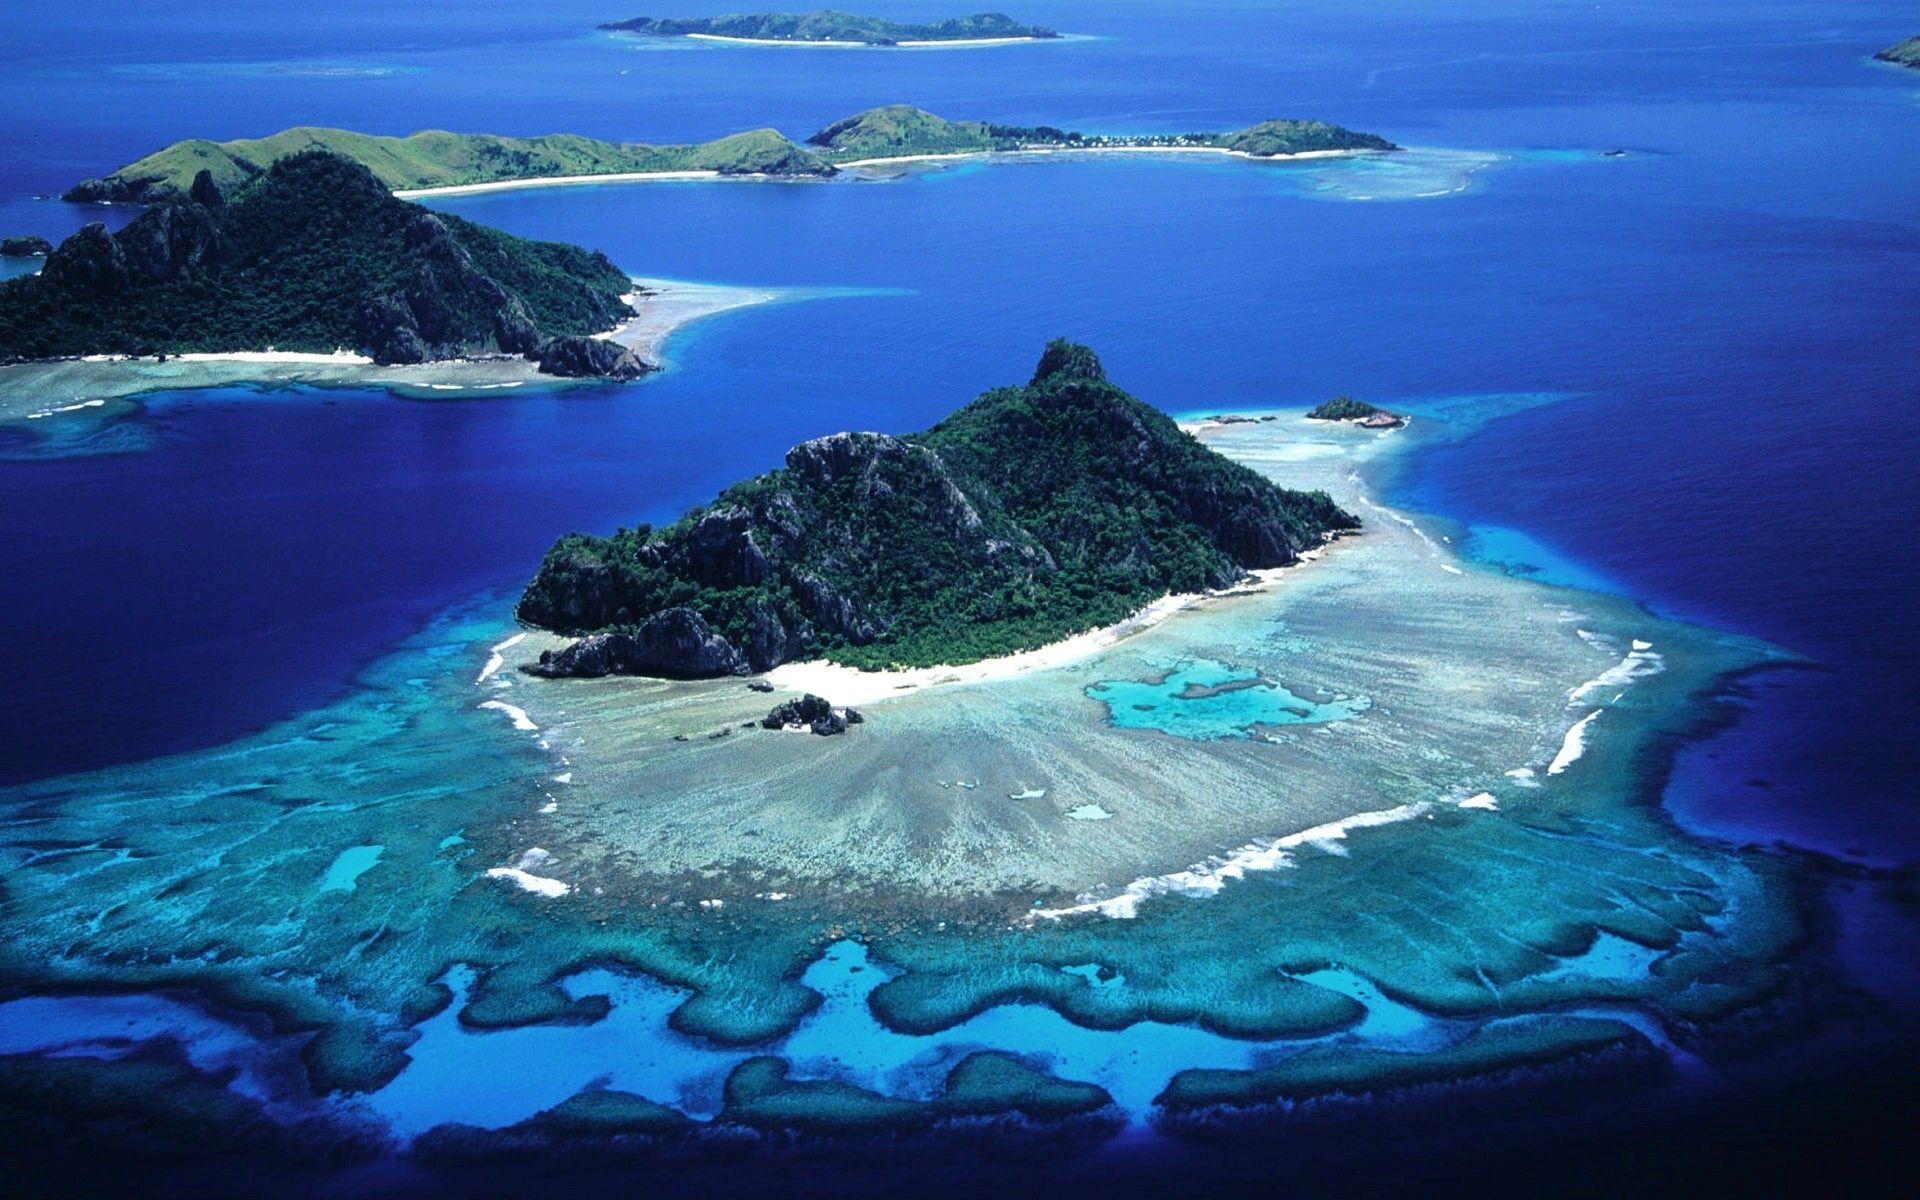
{"points": [[37, 391], [845, 685], [1036, 151], [541, 181], [705, 176], [843, 44]]}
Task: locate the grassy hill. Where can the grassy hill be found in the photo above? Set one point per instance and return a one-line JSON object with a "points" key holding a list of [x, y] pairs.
{"points": [[435, 158]]}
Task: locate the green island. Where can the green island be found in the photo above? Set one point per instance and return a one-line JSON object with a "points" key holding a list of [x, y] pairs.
{"points": [[1346, 408], [1031, 514], [314, 255], [902, 131], [825, 25], [1294, 901], [1903, 53], [436, 159]]}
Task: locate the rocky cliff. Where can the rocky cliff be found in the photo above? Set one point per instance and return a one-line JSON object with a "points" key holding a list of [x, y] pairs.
{"points": [[1032, 513]]}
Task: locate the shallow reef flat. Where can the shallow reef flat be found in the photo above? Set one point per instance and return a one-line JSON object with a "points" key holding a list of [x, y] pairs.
{"points": [[43, 395], [1384, 820]]}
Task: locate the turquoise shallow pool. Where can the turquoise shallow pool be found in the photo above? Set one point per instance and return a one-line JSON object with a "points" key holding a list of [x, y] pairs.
{"points": [[1208, 700]]}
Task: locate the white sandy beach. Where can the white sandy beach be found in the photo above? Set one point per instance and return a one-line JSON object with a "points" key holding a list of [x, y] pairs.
{"points": [[1072, 150], [830, 43], [42, 390], [845, 685], [543, 181]]}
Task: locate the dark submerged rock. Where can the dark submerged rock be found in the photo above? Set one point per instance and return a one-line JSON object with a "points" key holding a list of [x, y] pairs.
{"points": [[814, 713]]}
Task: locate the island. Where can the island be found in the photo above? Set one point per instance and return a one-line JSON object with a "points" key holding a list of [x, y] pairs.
{"points": [[1031, 514], [434, 161], [25, 246], [315, 256], [826, 26], [901, 132], [1358, 412], [1902, 54]]}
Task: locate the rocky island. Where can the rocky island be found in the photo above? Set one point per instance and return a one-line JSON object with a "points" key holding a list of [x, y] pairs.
{"points": [[829, 27], [315, 256], [1902, 54], [25, 246], [1358, 412], [1031, 514]]}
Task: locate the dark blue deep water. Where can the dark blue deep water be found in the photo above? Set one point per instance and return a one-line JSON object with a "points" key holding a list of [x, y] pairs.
{"points": [[1731, 311]]}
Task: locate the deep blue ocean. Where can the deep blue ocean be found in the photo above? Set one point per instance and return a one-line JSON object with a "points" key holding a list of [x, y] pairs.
{"points": [[1730, 312]]}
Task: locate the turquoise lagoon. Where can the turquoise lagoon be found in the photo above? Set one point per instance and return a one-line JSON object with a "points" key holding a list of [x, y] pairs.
{"points": [[1204, 700]]}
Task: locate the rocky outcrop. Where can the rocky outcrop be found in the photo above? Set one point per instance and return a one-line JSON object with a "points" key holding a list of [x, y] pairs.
{"points": [[672, 644], [172, 241], [812, 713], [589, 357], [114, 189], [89, 265], [25, 246]]}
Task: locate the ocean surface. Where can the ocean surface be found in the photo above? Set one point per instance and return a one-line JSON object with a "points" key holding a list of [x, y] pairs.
{"points": [[1730, 311]]}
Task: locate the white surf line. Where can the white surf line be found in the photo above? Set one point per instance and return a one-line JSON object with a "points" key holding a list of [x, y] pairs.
{"points": [[1207, 878], [1483, 801], [521, 873], [1439, 554], [1573, 745], [65, 408], [517, 714], [495, 660], [1640, 662]]}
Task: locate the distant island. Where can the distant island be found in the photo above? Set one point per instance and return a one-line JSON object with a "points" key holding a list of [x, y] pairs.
{"points": [[900, 131], [1359, 412], [316, 256], [1903, 54], [826, 26], [435, 160], [25, 246], [1029, 515]]}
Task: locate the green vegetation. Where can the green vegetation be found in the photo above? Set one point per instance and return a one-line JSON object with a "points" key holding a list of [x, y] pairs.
{"points": [[1271, 138], [435, 158], [899, 130], [1905, 54], [1031, 514], [828, 25], [313, 255], [1343, 408]]}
